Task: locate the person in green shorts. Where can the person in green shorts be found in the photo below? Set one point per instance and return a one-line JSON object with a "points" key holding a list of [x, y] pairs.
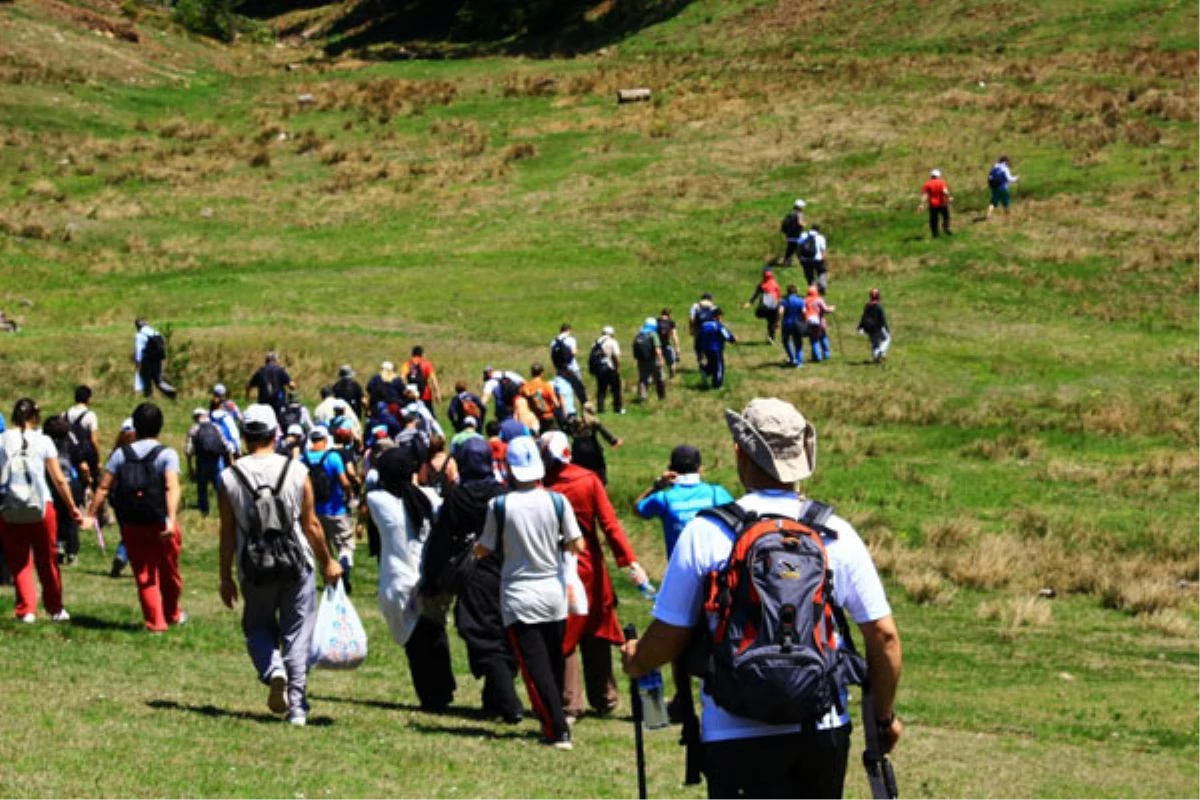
{"points": [[999, 178]]}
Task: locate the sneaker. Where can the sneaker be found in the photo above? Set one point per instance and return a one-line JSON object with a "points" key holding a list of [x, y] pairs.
{"points": [[297, 718], [277, 699], [71, 559], [29, 618], [117, 566], [61, 616], [181, 619], [513, 717], [563, 742]]}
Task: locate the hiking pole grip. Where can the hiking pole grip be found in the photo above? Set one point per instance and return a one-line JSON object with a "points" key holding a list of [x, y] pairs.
{"points": [[880, 774], [635, 702]]}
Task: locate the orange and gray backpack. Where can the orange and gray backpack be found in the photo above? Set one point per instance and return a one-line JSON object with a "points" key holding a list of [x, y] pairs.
{"points": [[781, 651]]}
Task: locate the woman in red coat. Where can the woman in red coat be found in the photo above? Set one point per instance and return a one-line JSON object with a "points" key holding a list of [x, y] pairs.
{"points": [[592, 636]]}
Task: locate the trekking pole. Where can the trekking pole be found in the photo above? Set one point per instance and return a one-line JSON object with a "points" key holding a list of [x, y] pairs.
{"points": [[635, 702], [880, 774]]}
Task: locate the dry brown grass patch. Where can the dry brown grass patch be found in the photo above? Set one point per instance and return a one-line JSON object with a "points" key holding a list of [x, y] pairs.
{"points": [[989, 564], [1016, 613], [1169, 623], [927, 588], [949, 535]]}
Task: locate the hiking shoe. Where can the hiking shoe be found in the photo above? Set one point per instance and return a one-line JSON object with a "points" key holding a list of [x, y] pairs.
{"points": [[29, 618], [61, 616], [297, 718], [277, 698]]}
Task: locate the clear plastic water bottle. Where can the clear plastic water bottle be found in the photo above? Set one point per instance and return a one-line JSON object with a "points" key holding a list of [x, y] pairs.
{"points": [[654, 708], [648, 591]]}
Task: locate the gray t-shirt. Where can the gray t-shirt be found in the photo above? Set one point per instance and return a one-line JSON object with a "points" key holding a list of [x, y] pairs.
{"points": [[532, 585], [264, 471], [167, 459]]}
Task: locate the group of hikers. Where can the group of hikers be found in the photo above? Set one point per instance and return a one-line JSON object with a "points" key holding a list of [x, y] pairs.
{"points": [[491, 505]]}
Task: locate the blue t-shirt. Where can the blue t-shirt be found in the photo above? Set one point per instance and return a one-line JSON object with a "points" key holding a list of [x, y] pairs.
{"points": [[335, 468], [793, 311], [677, 505]]}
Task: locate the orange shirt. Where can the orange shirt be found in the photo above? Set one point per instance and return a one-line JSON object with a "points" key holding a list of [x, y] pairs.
{"points": [[937, 190]]}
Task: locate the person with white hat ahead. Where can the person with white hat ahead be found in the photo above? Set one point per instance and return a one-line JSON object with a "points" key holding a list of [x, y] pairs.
{"points": [[768, 734]]}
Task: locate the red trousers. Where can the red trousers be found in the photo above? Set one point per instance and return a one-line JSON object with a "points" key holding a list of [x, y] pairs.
{"points": [[36, 538], [155, 563]]}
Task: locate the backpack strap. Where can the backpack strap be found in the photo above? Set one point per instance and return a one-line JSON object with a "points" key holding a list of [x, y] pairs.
{"points": [[498, 511], [283, 473], [243, 480], [558, 500], [816, 515], [731, 515]]}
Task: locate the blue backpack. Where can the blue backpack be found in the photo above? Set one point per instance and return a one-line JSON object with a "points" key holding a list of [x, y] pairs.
{"points": [[996, 177]]}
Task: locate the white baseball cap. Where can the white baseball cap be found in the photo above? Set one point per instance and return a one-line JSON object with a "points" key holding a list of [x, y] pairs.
{"points": [[259, 418], [523, 459], [557, 446], [798, 204], [935, 173]]}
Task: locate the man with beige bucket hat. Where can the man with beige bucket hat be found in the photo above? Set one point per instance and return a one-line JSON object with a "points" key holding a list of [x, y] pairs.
{"points": [[775, 447]]}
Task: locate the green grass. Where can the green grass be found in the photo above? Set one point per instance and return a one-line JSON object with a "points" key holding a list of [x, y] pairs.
{"points": [[1042, 387]]}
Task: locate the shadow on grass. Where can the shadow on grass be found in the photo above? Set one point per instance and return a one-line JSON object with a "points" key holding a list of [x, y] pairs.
{"points": [[90, 623], [213, 712], [473, 731], [458, 712]]}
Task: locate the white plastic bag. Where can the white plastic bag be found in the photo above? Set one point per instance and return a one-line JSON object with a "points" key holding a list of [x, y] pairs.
{"points": [[339, 639], [577, 599]]}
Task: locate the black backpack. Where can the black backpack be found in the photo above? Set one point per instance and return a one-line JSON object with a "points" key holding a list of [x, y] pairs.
{"points": [[271, 551], [416, 377], [774, 656], [208, 441], [560, 354], [155, 349], [291, 414], [791, 226], [643, 347], [79, 447], [597, 358], [141, 493], [321, 483], [808, 246]]}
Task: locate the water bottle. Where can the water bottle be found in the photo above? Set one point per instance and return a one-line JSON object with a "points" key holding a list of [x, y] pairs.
{"points": [[654, 709], [646, 588]]}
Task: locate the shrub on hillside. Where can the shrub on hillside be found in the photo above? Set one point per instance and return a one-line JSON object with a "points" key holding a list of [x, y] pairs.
{"points": [[215, 18]]}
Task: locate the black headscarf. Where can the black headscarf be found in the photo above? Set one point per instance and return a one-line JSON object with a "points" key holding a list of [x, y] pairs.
{"points": [[396, 468]]}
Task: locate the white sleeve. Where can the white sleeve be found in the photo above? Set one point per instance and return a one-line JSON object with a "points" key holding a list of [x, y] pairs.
{"points": [[856, 585], [680, 601]]}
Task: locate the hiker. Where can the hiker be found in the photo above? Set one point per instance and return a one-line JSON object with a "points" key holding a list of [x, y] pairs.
{"points": [[207, 452], [85, 428], [349, 390], [143, 479], [439, 470], [28, 519], [586, 430], [604, 362], [812, 258], [272, 382], [815, 309], [775, 447], [647, 352], [589, 639], [791, 227], [404, 513], [711, 339], [674, 498], [669, 337], [936, 194], [999, 177], [700, 313], [470, 430], [418, 371], [792, 318], [501, 386], [568, 398], [221, 401], [292, 444], [450, 569], [563, 350], [58, 430], [414, 406], [230, 430], [678, 494], [765, 300], [385, 386], [528, 529], [465, 404], [279, 611], [149, 355], [332, 491], [126, 436], [542, 399], [382, 418], [499, 448], [874, 325]]}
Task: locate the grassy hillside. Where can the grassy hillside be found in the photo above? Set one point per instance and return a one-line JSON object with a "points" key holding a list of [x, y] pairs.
{"points": [[1036, 427]]}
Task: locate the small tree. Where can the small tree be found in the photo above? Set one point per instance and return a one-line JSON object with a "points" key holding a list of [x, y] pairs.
{"points": [[215, 18]]}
